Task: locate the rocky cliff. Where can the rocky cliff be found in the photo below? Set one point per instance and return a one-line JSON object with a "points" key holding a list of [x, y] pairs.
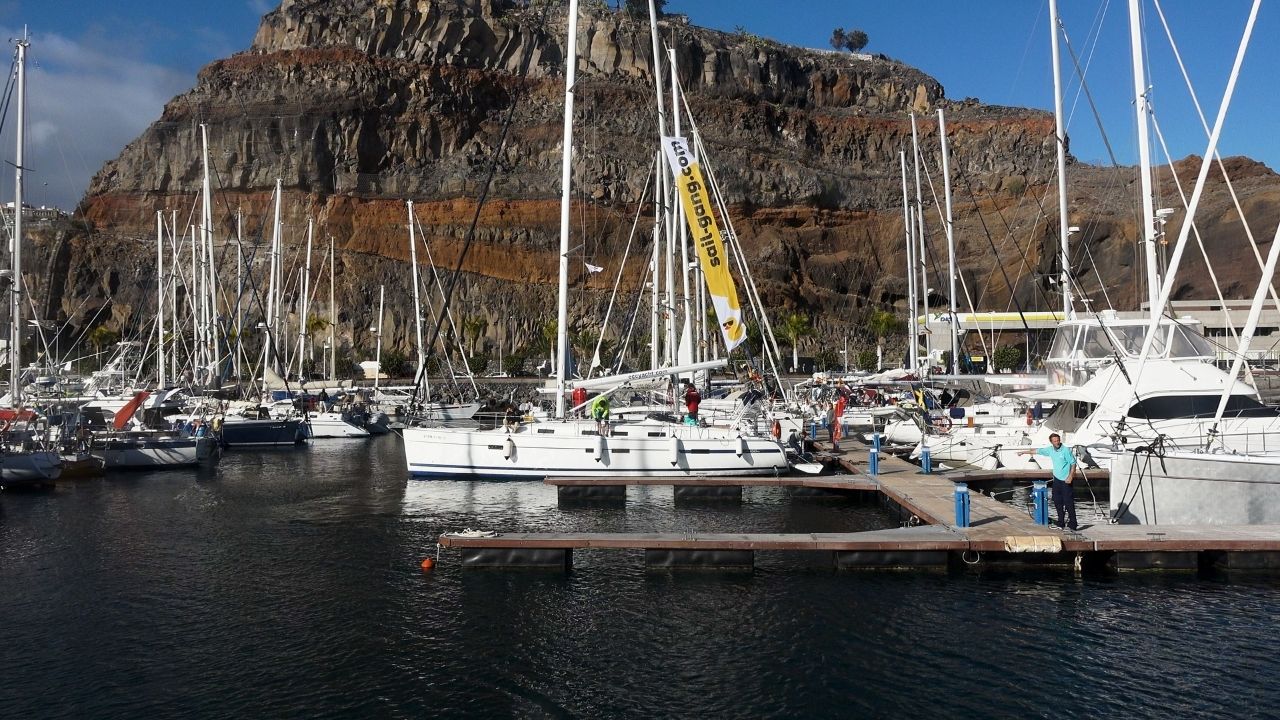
{"points": [[359, 105]]}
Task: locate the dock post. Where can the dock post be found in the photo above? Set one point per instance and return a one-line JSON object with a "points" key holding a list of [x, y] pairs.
{"points": [[962, 505], [1040, 502], [926, 460], [813, 430], [873, 462]]}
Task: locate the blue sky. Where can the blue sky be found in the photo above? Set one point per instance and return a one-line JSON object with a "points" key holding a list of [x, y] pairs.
{"points": [[102, 71]]}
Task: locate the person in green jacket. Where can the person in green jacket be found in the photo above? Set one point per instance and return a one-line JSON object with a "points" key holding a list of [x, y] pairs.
{"points": [[600, 412]]}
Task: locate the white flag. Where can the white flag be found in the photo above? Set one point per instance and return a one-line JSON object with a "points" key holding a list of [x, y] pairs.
{"points": [[593, 268]]}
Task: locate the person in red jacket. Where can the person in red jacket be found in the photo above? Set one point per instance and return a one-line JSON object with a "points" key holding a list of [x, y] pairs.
{"points": [[579, 399], [692, 399]]}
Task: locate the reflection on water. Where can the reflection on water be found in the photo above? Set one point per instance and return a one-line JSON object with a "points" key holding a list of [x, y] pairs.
{"points": [[286, 584]]}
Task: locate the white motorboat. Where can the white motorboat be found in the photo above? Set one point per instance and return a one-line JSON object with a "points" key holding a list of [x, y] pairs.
{"points": [[334, 424], [152, 449]]}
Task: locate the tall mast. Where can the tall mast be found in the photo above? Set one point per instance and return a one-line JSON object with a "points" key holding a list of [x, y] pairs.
{"points": [[1143, 109], [1060, 138], [333, 318], [16, 296], [683, 233], [659, 186], [306, 298], [951, 246], [160, 368], [271, 286], [566, 170], [205, 337], [377, 356], [417, 307], [922, 256], [239, 290], [908, 228]]}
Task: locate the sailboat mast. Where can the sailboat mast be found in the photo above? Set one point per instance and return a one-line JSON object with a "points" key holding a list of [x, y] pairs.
{"points": [[951, 246], [1061, 141], [306, 298], [239, 290], [686, 337], [333, 318], [922, 255], [1143, 108], [160, 368], [566, 170], [659, 187], [271, 285], [16, 296], [908, 228], [377, 357], [204, 339], [417, 306]]}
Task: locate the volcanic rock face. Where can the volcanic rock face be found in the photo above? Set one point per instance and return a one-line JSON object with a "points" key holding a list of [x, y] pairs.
{"points": [[359, 105]]}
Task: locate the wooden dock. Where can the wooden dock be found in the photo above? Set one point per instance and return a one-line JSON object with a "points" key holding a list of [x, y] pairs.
{"points": [[998, 533]]}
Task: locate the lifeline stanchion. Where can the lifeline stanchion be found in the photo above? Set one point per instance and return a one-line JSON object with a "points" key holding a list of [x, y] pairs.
{"points": [[1040, 502], [962, 505]]}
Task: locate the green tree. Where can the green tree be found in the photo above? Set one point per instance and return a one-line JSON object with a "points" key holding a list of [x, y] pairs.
{"points": [[639, 9], [478, 363], [1008, 357], [472, 329], [513, 364], [825, 359], [855, 40], [395, 365], [882, 324], [102, 335], [838, 38], [794, 327], [868, 360]]}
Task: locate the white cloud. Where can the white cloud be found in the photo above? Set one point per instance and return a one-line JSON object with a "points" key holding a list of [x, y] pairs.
{"points": [[84, 104]]}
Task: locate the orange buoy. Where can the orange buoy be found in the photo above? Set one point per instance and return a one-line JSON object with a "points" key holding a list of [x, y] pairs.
{"points": [[428, 563], [776, 430], [1028, 416]]}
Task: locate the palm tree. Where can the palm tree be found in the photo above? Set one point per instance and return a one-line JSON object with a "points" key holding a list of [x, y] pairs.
{"points": [[102, 335], [883, 323], [794, 327], [472, 329]]}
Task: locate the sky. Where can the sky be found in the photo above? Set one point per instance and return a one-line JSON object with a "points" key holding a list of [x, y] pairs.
{"points": [[100, 72]]}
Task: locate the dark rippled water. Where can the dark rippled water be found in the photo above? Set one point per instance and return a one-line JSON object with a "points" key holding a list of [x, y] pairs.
{"points": [[287, 584]]}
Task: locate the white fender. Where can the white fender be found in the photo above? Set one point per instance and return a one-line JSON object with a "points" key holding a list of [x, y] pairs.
{"points": [[508, 448], [675, 450], [741, 446], [599, 448]]}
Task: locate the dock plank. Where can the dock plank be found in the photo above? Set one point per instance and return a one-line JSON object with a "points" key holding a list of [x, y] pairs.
{"points": [[819, 482]]}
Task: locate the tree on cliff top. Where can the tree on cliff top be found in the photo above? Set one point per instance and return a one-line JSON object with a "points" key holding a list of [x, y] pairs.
{"points": [[640, 8], [852, 40]]}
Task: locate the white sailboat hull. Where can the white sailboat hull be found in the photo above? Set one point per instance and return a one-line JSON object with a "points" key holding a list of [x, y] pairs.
{"points": [[572, 448], [1191, 488], [127, 453], [30, 466]]}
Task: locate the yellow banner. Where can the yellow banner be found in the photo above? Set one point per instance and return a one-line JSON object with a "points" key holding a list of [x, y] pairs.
{"points": [[695, 197]]}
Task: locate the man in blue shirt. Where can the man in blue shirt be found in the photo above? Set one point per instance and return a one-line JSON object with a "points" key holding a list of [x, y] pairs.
{"points": [[1064, 466]]}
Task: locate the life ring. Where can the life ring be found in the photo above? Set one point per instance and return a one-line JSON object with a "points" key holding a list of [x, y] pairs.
{"points": [[776, 430], [941, 424]]}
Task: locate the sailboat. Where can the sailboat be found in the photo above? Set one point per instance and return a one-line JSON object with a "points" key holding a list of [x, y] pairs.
{"points": [[569, 447], [24, 436]]}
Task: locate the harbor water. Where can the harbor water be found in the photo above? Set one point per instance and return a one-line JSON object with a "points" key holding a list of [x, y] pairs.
{"points": [[287, 584]]}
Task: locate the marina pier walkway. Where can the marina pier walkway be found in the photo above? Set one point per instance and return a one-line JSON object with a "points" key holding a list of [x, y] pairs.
{"points": [[999, 533]]}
